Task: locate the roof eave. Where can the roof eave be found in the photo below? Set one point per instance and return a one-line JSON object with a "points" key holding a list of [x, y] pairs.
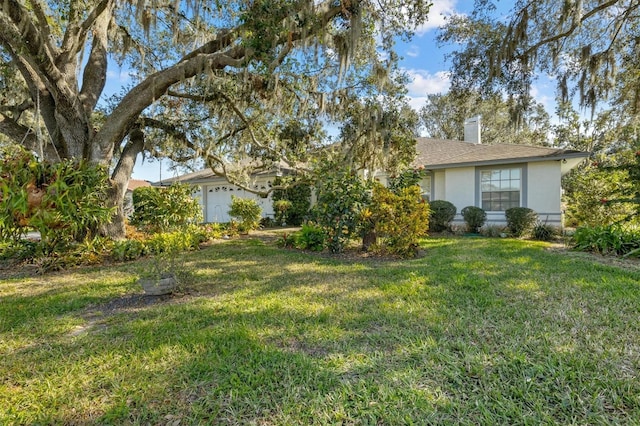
{"points": [[517, 160]]}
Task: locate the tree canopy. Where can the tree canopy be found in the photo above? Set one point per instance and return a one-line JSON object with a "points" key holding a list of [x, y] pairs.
{"points": [[589, 46], [443, 117], [251, 81]]}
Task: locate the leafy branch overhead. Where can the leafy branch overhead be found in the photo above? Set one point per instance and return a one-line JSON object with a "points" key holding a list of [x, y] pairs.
{"points": [[215, 81], [591, 48]]}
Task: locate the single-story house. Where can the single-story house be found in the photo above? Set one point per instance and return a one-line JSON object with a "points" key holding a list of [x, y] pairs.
{"points": [[495, 177], [465, 173]]}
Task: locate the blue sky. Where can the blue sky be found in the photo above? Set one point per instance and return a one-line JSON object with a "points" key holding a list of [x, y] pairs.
{"points": [[423, 61]]}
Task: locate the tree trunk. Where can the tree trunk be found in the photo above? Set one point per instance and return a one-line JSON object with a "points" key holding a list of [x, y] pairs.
{"points": [[119, 182], [369, 239]]}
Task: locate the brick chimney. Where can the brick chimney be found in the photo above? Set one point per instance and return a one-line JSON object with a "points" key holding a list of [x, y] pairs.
{"points": [[472, 130]]}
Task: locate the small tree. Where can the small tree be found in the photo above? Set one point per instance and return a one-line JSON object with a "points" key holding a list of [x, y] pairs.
{"points": [[474, 217], [247, 211], [165, 209], [342, 196]]}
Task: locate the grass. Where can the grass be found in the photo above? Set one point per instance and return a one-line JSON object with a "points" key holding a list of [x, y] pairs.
{"points": [[479, 331]]}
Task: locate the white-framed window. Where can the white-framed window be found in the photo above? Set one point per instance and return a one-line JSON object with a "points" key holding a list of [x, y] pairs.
{"points": [[500, 188], [425, 186]]}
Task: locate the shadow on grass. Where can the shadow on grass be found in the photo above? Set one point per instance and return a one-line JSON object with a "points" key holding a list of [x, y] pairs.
{"points": [[475, 332]]}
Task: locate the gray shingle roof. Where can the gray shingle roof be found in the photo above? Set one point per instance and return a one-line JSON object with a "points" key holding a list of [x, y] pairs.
{"points": [[441, 153]]}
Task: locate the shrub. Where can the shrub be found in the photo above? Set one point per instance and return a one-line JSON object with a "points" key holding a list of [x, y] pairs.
{"points": [[172, 242], [474, 217], [520, 220], [65, 201], [286, 240], [165, 209], [247, 211], [342, 195], [128, 250], [212, 231], [544, 232], [442, 214], [310, 237], [400, 220]]}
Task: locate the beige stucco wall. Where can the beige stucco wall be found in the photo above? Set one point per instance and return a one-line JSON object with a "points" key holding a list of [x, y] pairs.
{"points": [[544, 192], [440, 183], [460, 186]]}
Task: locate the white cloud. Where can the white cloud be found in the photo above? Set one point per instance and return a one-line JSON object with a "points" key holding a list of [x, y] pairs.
{"points": [[413, 51], [438, 14], [423, 83]]}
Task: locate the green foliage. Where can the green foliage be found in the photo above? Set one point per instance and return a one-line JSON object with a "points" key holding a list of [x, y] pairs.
{"points": [[544, 232], [310, 237], [520, 220], [406, 179], [287, 240], [63, 201], [248, 211], [280, 208], [400, 219], [474, 217], [442, 213], [609, 239], [291, 205], [342, 196], [212, 231], [589, 190], [165, 209], [125, 250]]}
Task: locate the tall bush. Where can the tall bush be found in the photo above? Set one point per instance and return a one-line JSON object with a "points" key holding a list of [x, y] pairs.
{"points": [[400, 219], [442, 214], [62, 201], [165, 209], [520, 220], [474, 217]]}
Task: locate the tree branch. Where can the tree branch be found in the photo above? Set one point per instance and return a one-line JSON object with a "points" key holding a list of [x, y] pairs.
{"points": [[95, 72], [77, 32], [27, 38], [574, 26]]}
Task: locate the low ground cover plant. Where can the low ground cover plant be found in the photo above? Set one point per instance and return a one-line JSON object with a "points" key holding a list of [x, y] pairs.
{"points": [[619, 240]]}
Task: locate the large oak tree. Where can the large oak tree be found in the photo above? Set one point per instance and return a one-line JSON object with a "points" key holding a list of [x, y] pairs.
{"points": [[241, 81]]}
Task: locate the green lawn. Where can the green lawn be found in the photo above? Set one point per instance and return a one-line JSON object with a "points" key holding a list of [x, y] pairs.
{"points": [[478, 331]]}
